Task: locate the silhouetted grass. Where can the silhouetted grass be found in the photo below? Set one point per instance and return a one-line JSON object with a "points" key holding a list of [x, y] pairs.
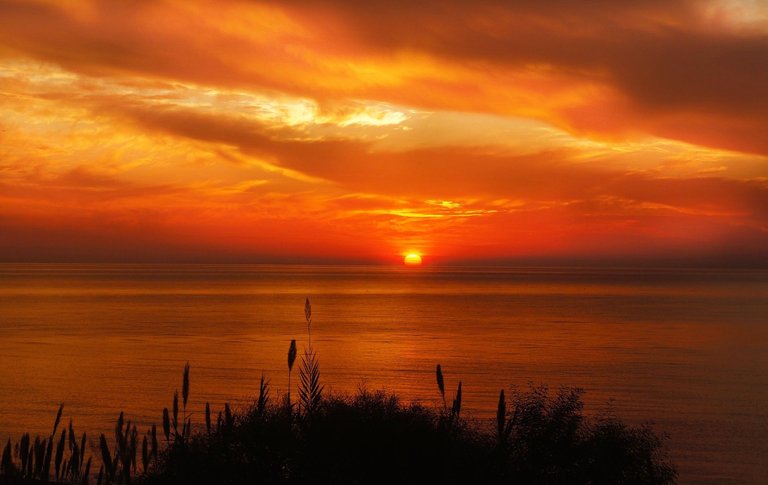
{"points": [[537, 437], [372, 437], [368, 437]]}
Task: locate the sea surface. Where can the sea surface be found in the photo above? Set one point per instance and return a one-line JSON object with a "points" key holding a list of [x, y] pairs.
{"points": [[686, 349]]}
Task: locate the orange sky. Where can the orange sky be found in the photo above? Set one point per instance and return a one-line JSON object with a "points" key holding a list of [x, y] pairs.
{"points": [[553, 131]]}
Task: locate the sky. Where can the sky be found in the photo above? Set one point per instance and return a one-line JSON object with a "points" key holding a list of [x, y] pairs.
{"points": [[491, 131]]}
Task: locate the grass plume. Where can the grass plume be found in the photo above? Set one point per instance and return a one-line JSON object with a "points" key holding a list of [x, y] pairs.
{"points": [[291, 360], [369, 437], [310, 390], [441, 384]]}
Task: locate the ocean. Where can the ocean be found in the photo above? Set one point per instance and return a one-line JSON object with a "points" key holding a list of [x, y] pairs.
{"points": [[685, 349]]}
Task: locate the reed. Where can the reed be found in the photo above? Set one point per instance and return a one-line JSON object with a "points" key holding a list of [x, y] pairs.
{"points": [[208, 418], [456, 408], [175, 416], [369, 437], [153, 437], [450, 419], [145, 454], [30, 461], [366, 438], [263, 400], [291, 360], [310, 390], [171, 418], [166, 425], [6, 463], [441, 385], [229, 418], [60, 453]]}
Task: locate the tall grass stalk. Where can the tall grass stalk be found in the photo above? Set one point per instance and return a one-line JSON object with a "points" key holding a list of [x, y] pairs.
{"points": [[310, 391], [291, 360], [441, 385], [526, 431], [208, 418], [263, 401], [308, 318]]}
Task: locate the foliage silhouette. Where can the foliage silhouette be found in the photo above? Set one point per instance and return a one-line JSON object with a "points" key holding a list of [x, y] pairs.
{"points": [[369, 437]]}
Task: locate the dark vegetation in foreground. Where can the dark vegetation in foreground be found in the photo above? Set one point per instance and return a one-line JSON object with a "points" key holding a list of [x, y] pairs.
{"points": [[370, 437]]}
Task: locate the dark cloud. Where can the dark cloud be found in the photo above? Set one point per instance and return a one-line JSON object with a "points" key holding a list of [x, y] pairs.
{"points": [[674, 70], [664, 57]]}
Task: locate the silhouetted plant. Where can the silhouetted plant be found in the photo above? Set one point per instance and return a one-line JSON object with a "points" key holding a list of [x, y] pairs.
{"points": [[33, 459], [208, 418], [547, 439], [6, 463], [441, 385], [291, 360], [171, 420], [449, 418], [308, 318], [263, 400], [365, 438], [145, 454], [229, 419], [504, 425], [153, 437], [310, 391], [456, 408], [166, 425], [187, 426]]}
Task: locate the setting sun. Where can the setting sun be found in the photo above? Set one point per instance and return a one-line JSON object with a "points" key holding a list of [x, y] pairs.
{"points": [[412, 259]]}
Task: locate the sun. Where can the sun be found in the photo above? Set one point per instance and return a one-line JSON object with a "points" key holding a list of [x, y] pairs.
{"points": [[412, 259]]}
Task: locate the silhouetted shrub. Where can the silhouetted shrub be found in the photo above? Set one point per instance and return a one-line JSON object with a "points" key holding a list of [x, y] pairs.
{"points": [[372, 437], [551, 441], [367, 438]]}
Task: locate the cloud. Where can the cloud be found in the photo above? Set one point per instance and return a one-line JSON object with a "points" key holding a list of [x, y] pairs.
{"points": [[678, 69], [462, 171], [508, 129]]}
